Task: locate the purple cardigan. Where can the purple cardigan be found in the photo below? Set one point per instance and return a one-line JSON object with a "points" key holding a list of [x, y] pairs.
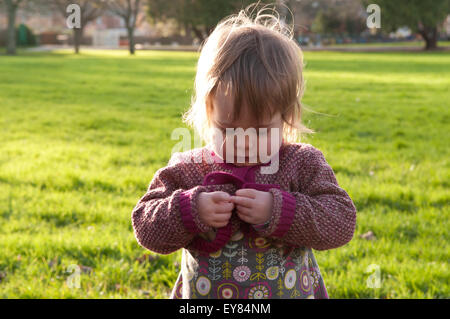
{"points": [[310, 209]]}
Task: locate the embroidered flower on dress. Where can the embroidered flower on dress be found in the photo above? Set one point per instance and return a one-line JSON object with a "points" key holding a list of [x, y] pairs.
{"points": [[259, 244], [260, 241], [241, 273], [228, 290], [305, 284], [315, 278], [260, 291], [178, 293], [203, 285], [272, 272], [290, 278], [216, 254]]}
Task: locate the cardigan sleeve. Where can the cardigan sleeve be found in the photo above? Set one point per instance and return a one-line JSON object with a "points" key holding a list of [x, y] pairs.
{"points": [[166, 219], [321, 215]]}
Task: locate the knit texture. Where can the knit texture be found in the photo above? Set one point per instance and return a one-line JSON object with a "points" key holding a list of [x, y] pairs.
{"points": [[310, 209]]}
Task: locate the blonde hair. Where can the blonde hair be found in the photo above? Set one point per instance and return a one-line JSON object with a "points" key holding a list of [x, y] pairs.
{"points": [[261, 63]]}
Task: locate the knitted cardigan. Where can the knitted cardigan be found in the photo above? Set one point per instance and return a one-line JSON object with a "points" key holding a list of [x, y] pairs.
{"points": [[310, 209]]}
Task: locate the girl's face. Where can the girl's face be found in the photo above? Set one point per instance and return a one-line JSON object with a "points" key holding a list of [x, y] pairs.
{"points": [[250, 153]]}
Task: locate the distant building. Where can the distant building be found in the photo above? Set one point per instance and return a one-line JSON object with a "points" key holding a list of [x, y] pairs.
{"points": [[107, 30]]}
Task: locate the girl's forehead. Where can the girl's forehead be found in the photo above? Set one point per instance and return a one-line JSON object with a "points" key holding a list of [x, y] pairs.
{"points": [[223, 104], [223, 101], [223, 108]]}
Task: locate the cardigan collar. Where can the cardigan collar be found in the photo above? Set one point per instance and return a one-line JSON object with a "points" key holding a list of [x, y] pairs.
{"points": [[247, 172], [241, 176]]}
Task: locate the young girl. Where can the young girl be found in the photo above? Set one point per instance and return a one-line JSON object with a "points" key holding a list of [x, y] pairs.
{"points": [[246, 233]]}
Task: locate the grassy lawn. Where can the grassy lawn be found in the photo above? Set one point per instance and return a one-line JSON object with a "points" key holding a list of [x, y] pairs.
{"points": [[82, 136]]}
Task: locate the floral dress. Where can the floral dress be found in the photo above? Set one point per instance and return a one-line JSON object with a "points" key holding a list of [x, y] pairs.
{"points": [[250, 268]]}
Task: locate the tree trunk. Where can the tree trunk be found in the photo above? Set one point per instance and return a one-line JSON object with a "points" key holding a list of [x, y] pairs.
{"points": [[77, 38], [188, 30], [11, 46], [431, 44], [198, 33], [430, 35], [131, 40]]}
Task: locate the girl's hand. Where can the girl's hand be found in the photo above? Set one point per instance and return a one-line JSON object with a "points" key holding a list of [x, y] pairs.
{"points": [[215, 208], [253, 206]]}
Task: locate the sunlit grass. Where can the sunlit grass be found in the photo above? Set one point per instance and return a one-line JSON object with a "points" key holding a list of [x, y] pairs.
{"points": [[82, 136]]}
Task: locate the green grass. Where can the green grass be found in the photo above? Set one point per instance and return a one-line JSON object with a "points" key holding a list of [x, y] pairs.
{"points": [[82, 136]]}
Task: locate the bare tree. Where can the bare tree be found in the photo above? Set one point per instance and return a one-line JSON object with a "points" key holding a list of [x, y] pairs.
{"points": [[90, 10], [422, 16], [197, 16], [128, 11], [11, 10]]}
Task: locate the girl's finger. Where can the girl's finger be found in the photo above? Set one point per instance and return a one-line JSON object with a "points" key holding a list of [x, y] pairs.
{"points": [[220, 196], [242, 201], [244, 217], [246, 192], [224, 207], [243, 210], [221, 218]]}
